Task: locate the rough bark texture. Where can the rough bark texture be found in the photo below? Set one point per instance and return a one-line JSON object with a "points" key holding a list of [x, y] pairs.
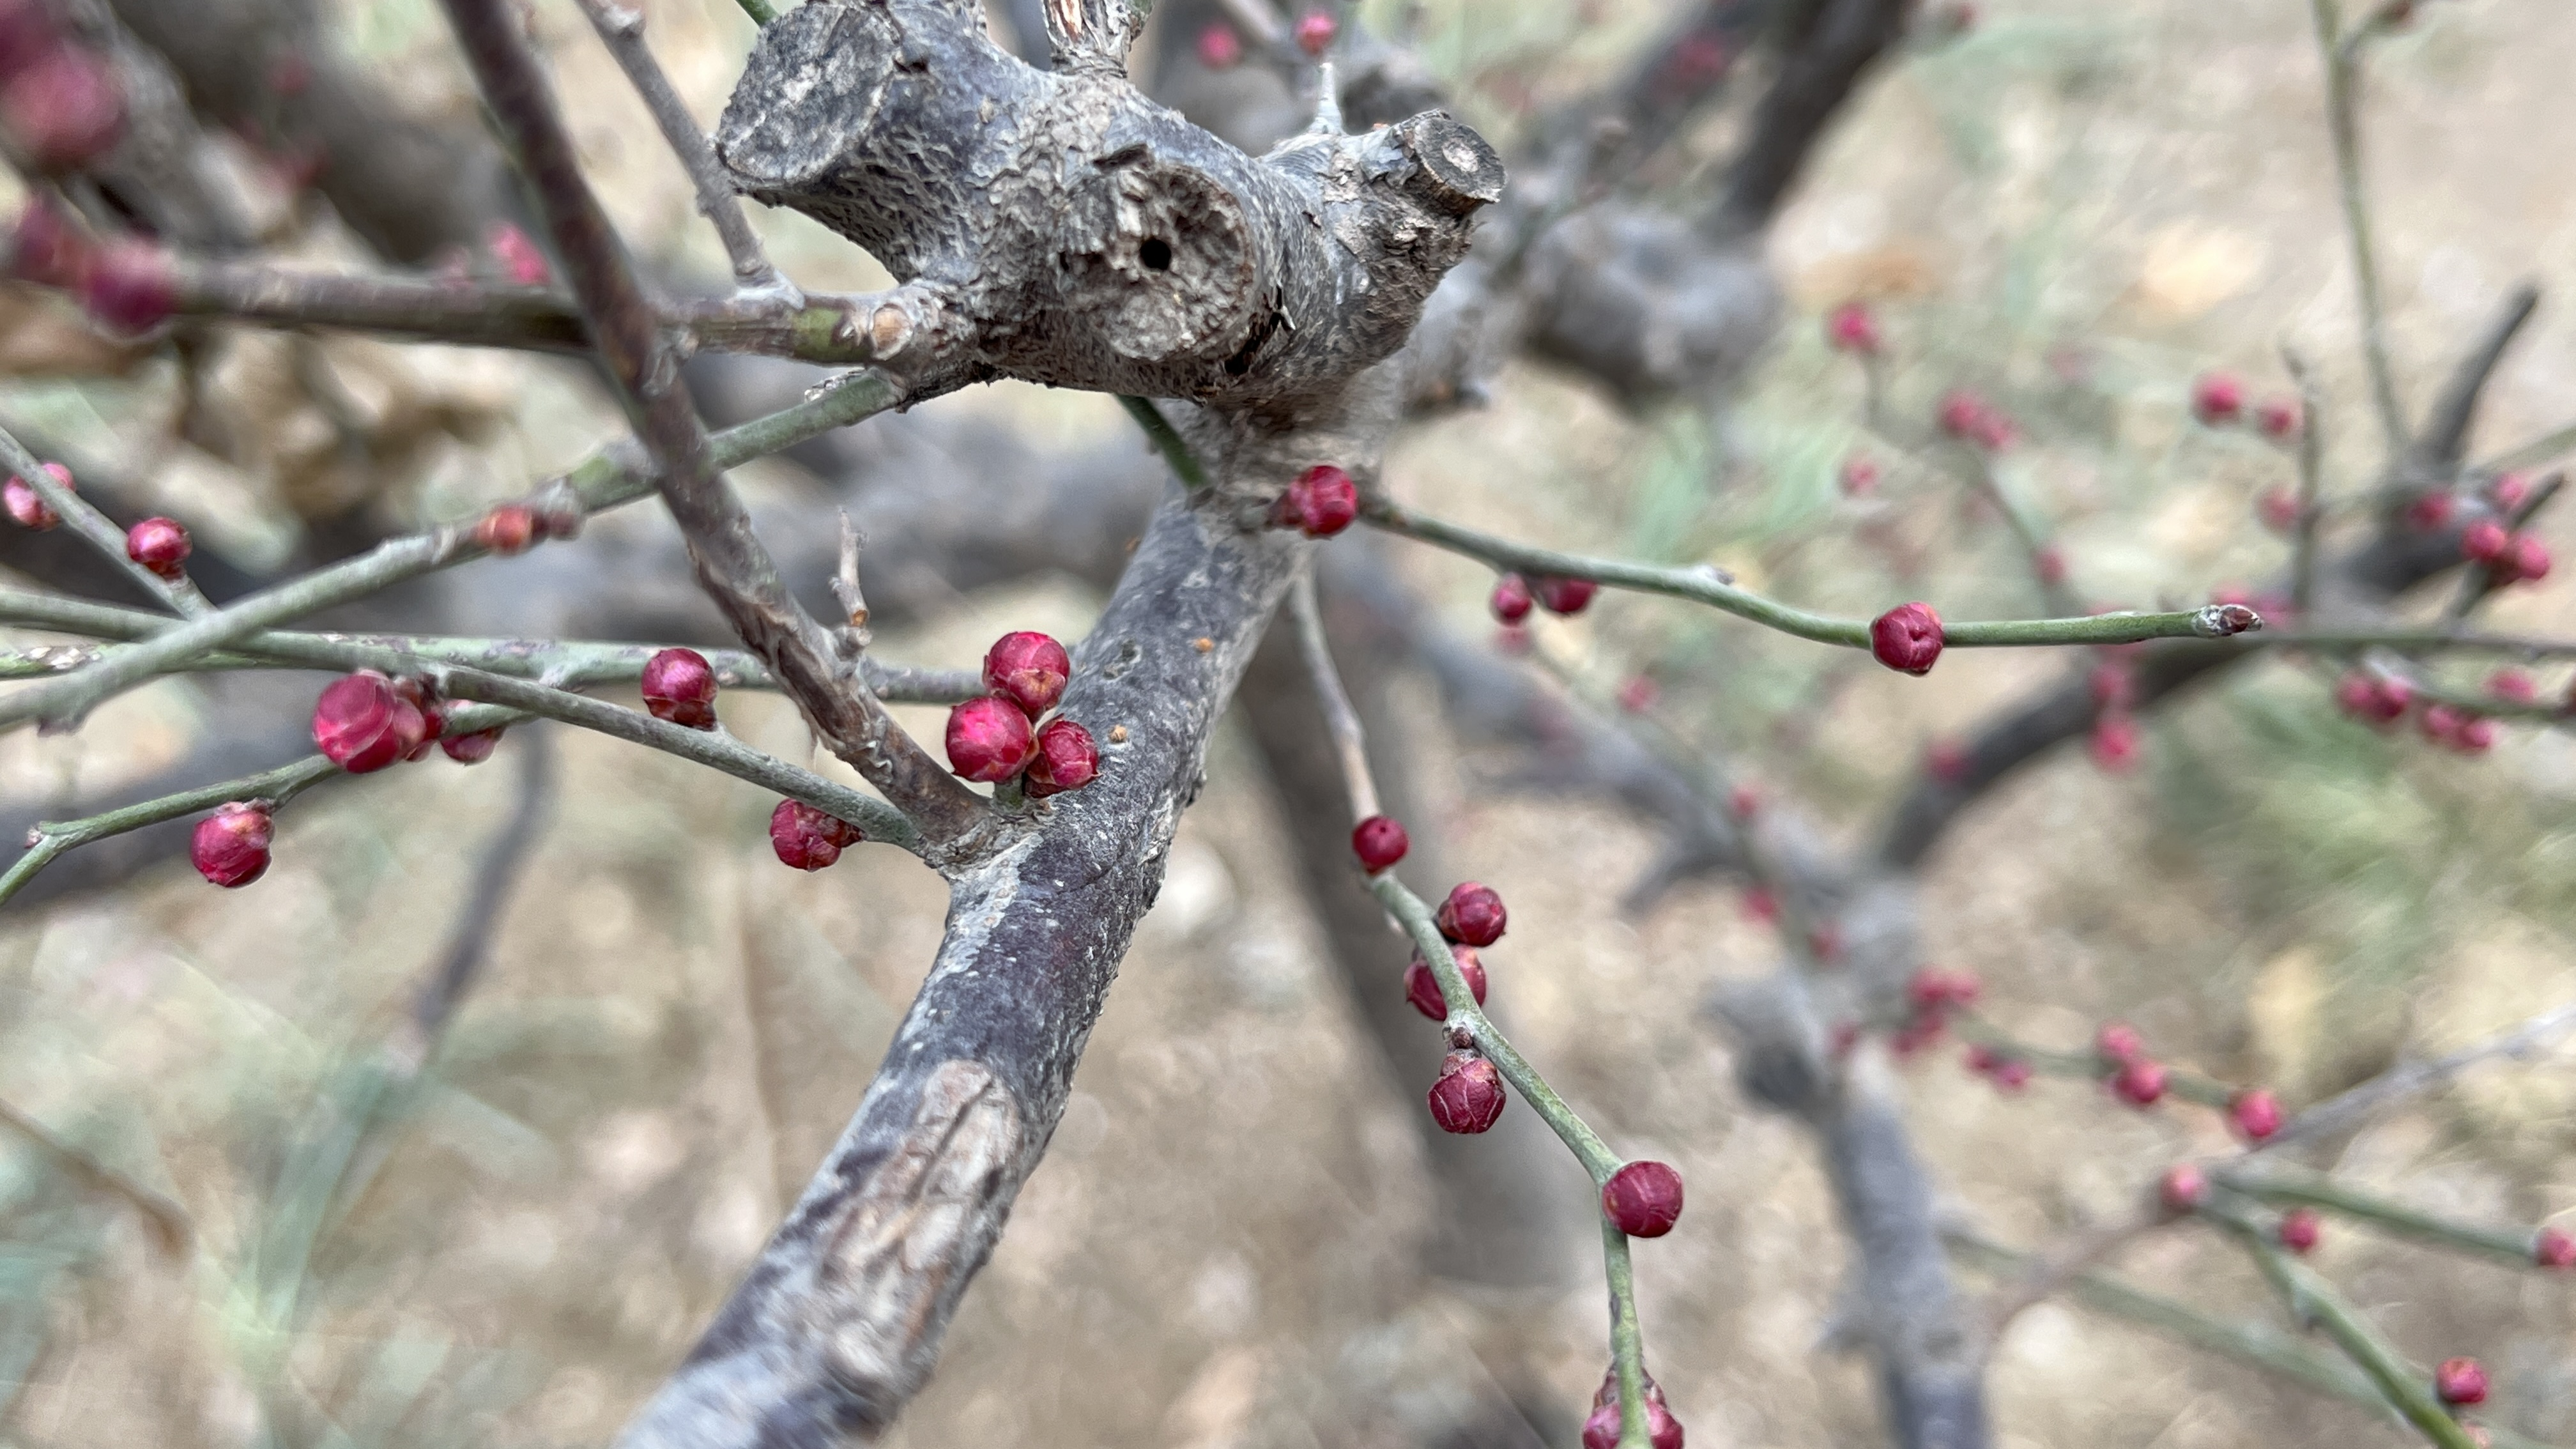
{"points": [[840, 1321]]}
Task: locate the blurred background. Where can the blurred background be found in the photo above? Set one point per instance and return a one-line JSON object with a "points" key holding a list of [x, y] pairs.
{"points": [[2074, 207]]}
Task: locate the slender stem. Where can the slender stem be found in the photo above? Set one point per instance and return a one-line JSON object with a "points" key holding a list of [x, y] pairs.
{"points": [[169, 1220], [53, 837], [1175, 450], [2312, 1299], [2415, 640], [760, 11], [1342, 720], [1627, 1340], [2088, 1064], [2053, 588], [2280, 1184], [2411, 1079], [2532, 454], [1707, 584], [93, 526], [2344, 128], [2303, 537], [622, 30], [605, 480]]}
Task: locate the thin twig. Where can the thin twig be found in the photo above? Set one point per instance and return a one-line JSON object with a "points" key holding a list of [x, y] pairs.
{"points": [[170, 1225], [2412, 1079], [2303, 535], [2280, 1183], [1176, 452], [56, 836], [93, 526], [622, 30], [2344, 128], [1339, 718]]}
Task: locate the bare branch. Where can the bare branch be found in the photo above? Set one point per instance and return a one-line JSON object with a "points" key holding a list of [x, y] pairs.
{"points": [[171, 1228], [2359, 1104]]}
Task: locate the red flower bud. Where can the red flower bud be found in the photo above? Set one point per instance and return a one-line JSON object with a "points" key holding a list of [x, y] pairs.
{"points": [[2441, 724], [809, 839], [1029, 669], [1065, 759], [1511, 601], [471, 749], [48, 246], [1936, 988], [130, 289], [2460, 1382], [679, 685], [2512, 686], [2139, 1082], [2555, 1247], [2475, 736], [67, 109], [28, 508], [522, 261], [1469, 1095], [2279, 418], [2115, 742], [2279, 510], [1601, 1431], [1315, 31], [1643, 1199], [363, 724], [2527, 560], [2484, 541], [1852, 328], [1321, 503], [2507, 492], [989, 739], [2299, 1228], [508, 529], [2182, 1188], [1859, 477], [230, 847], [159, 544], [2217, 398], [2012, 1074], [1561, 595], [1473, 913], [1907, 638], [2256, 1113], [2372, 699], [2430, 512], [1379, 841], [1761, 905], [1638, 695], [1971, 419], [1219, 47], [1423, 989]]}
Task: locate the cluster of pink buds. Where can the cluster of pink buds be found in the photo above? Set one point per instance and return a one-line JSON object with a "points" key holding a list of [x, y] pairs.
{"points": [[1853, 328], [1321, 503], [367, 721], [2383, 700], [1007, 735], [61, 101], [2508, 558], [1468, 1097], [2008, 1073], [2134, 1077], [1602, 1430], [1219, 48], [1931, 996], [1514, 595], [1967, 416], [1315, 32], [1907, 638], [809, 839], [230, 847], [2218, 401], [26, 507], [2457, 729]]}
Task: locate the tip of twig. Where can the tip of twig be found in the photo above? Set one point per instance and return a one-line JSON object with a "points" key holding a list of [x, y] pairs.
{"points": [[2222, 621]]}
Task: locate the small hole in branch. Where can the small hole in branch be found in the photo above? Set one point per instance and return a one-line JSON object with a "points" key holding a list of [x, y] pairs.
{"points": [[1156, 254]]}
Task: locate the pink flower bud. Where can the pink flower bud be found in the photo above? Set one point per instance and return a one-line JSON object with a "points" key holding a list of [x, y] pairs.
{"points": [[1065, 759], [2140, 1083], [2118, 1043], [809, 839], [2183, 1188], [2512, 686], [2279, 418], [1601, 1431], [2279, 510], [363, 724], [679, 685], [2555, 1247], [1639, 694], [989, 739], [230, 847], [1315, 32], [2217, 398], [1219, 47], [2114, 745], [1473, 913], [130, 289], [471, 749], [2475, 736], [2527, 560], [1469, 1095], [2508, 491], [1907, 638], [2484, 541], [2431, 512], [2374, 700], [67, 110], [2441, 724], [520, 258], [159, 544], [1321, 503], [1423, 988], [1965, 415], [28, 508], [2256, 1113], [1853, 328], [1643, 1199], [2012, 1074], [2299, 1229], [1379, 841], [508, 529], [1937, 988], [48, 246], [2460, 1382], [1858, 478], [1560, 595], [1029, 669], [1511, 601]]}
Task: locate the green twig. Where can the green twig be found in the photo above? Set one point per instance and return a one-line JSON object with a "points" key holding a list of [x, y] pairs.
{"points": [[52, 838], [2277, 1184], [760, 11], [93, 526], [1166, 440], [2344, 128], [2303, 537]]}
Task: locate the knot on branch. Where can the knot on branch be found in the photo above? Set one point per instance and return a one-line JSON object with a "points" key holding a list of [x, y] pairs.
{"points": [[1089, 237]]}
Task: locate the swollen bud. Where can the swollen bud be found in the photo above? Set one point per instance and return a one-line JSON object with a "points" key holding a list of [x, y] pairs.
{"points": [[471, 749], [989, 739], [1512, 601], [1643, 1199], [1029, 669], [1065, 759], [2554, 1247], [809, 839], [1468, 1098], [1321, 503], [1315, 31], [1601, 1431], [1853, 328], [230, 847], [1423, 989], [1907, 638], [2118, 1043], [679, 685], [1219, 47], [2183, 1188], [130, 289], [2140, 1083], [508, 529], [159, 544], [28, 508], [1379, 841], [2256, 1114], [2217, 398], [2299, 1229], [2460, 1382], [67, 110], [1560, 595], [1473, 913], [363, 723]]}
